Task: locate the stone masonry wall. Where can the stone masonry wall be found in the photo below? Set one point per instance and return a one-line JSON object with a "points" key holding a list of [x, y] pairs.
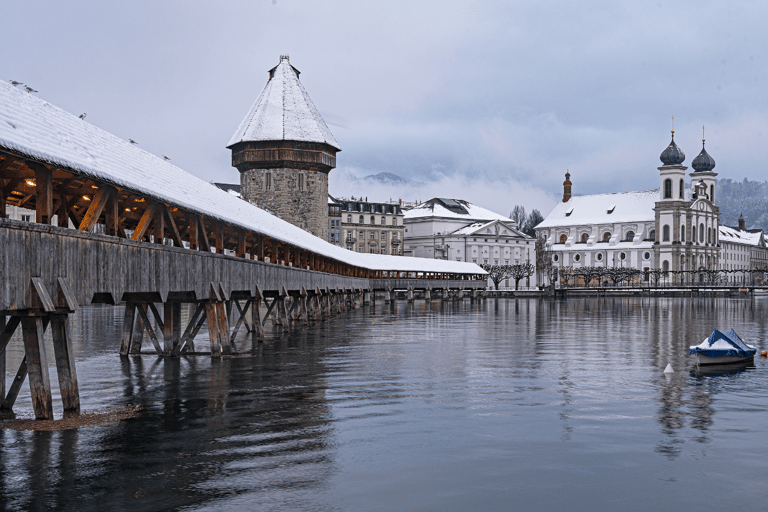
{"points": [[305, 207]]}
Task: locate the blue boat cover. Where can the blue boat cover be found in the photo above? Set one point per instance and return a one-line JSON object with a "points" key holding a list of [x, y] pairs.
{"points": [[735, 345]]}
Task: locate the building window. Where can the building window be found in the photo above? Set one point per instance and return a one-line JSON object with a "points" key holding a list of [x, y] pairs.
{"points": [[652, 235], [712, 193], [584, 238], [630, 236], [577, 257], [349, 218], [606, 237], [555, 258], [623, 255], [362, 219], [373, 220], [599, 256], [665, 266], [373, 235], [709, 235], [646, 255], [302, 182], [666, 233], [383, 221], [563, 238], [682, 233], [268, 180], [383, 236], [667, 189], [701, 233], [682, 189]]}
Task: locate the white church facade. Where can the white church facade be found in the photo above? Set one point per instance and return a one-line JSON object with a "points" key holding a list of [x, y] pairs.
{"points": [[672, 228]]}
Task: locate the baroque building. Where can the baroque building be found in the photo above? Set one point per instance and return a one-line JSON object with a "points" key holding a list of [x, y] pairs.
{"points": [[672, 228], [284, 152], [457, 230]]}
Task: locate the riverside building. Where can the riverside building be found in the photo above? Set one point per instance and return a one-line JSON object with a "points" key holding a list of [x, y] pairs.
{"points": [[674, 227]]}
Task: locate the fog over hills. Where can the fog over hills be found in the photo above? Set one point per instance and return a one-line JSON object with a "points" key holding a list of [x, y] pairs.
{"points": [[749, 197]]}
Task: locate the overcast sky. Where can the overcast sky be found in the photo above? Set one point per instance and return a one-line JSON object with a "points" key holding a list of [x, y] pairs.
{"points": [[489, 101]]}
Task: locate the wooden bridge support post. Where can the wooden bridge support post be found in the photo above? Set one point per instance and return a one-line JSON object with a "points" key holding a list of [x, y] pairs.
{"points": [[37, 367], [137, 336], [171, 326], [428, 294], [2, 349], [387, 295], [410, 294], [65, 364], [127, 332], [282, 311], [304, 312]]}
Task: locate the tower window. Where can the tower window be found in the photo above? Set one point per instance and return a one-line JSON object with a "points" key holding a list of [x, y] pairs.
{"points": [[682, 189], [701, 232], [682, 233], [666, 233], [667, 189], [712, 193], [268, 180]]}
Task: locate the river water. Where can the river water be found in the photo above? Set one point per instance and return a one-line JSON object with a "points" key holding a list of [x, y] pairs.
{"points": [[501, 405]]}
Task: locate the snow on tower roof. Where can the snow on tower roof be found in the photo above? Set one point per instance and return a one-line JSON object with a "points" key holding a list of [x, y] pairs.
{"points": [[283, 111], [33, 128], [452, 209], [603, 209]]}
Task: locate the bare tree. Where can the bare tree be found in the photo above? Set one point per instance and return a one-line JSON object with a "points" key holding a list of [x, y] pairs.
{"points": [[518, 215], [534, 219], [521, 271], [545, 267], [497, 273]]}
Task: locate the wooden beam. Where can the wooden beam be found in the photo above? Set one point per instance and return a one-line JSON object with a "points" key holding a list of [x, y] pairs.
{"points": [[129, 317], [13, 391], [150, 331], [37, 363], [146, 220], [112, 214], [193, 230], [98, 202], [65, 365], [159, 224], [206, 244], [43, 193], [172, 226]]}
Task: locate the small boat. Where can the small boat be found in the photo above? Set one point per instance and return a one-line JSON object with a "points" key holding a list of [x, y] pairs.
{"points": [[722, 348]]}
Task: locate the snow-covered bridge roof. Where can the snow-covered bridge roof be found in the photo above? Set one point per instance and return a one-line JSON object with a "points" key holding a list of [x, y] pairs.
{"points": [[35, 129]]}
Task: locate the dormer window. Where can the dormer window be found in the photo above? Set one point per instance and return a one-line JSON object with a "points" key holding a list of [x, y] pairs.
{"points": [[610, 210], [569, 212]]}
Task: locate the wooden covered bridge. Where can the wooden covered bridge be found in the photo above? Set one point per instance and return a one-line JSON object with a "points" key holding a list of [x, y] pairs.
{"points": [[116, 225]]}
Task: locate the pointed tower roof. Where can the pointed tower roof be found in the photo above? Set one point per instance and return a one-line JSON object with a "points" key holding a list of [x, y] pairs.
{"points": [[283, 111]]}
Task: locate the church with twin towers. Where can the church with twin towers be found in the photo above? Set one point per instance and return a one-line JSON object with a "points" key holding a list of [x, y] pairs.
{"points": [[674, 227]]}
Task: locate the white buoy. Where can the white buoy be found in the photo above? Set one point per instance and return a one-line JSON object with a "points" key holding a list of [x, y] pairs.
{"points": [[669, 369]]}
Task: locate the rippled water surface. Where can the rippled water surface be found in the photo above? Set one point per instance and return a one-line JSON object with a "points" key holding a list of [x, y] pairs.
{"points": [[503, 405]]}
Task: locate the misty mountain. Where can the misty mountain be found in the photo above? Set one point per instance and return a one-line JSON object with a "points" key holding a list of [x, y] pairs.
{"points": [[387, 178], [749, 197]]}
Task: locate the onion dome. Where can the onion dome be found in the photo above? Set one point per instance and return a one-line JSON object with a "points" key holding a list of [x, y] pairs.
{"points": [[703, 162], [673, 155]]}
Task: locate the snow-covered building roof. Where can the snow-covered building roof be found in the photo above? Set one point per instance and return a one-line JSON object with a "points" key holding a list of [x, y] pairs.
{"points": [[440, 207], [736, 236], [505, 229], [603, 209], [33, 128], [283, 111]]}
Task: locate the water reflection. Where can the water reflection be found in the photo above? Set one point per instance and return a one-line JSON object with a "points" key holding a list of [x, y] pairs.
{"points": [[447, 401]]}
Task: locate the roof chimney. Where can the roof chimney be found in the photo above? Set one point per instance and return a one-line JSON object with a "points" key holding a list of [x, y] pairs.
{"points": [[742, 226], [567, 187]]}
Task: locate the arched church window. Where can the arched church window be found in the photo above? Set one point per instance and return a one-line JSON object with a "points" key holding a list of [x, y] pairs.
{"points": [[682, 189], [652, 235], [701, 233], [667, 189], [630, 236], [584, 238], [606, 237], [693, 234], [682, 233], [666, 233], [712, 193], [563, 238], [709, 235]]}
